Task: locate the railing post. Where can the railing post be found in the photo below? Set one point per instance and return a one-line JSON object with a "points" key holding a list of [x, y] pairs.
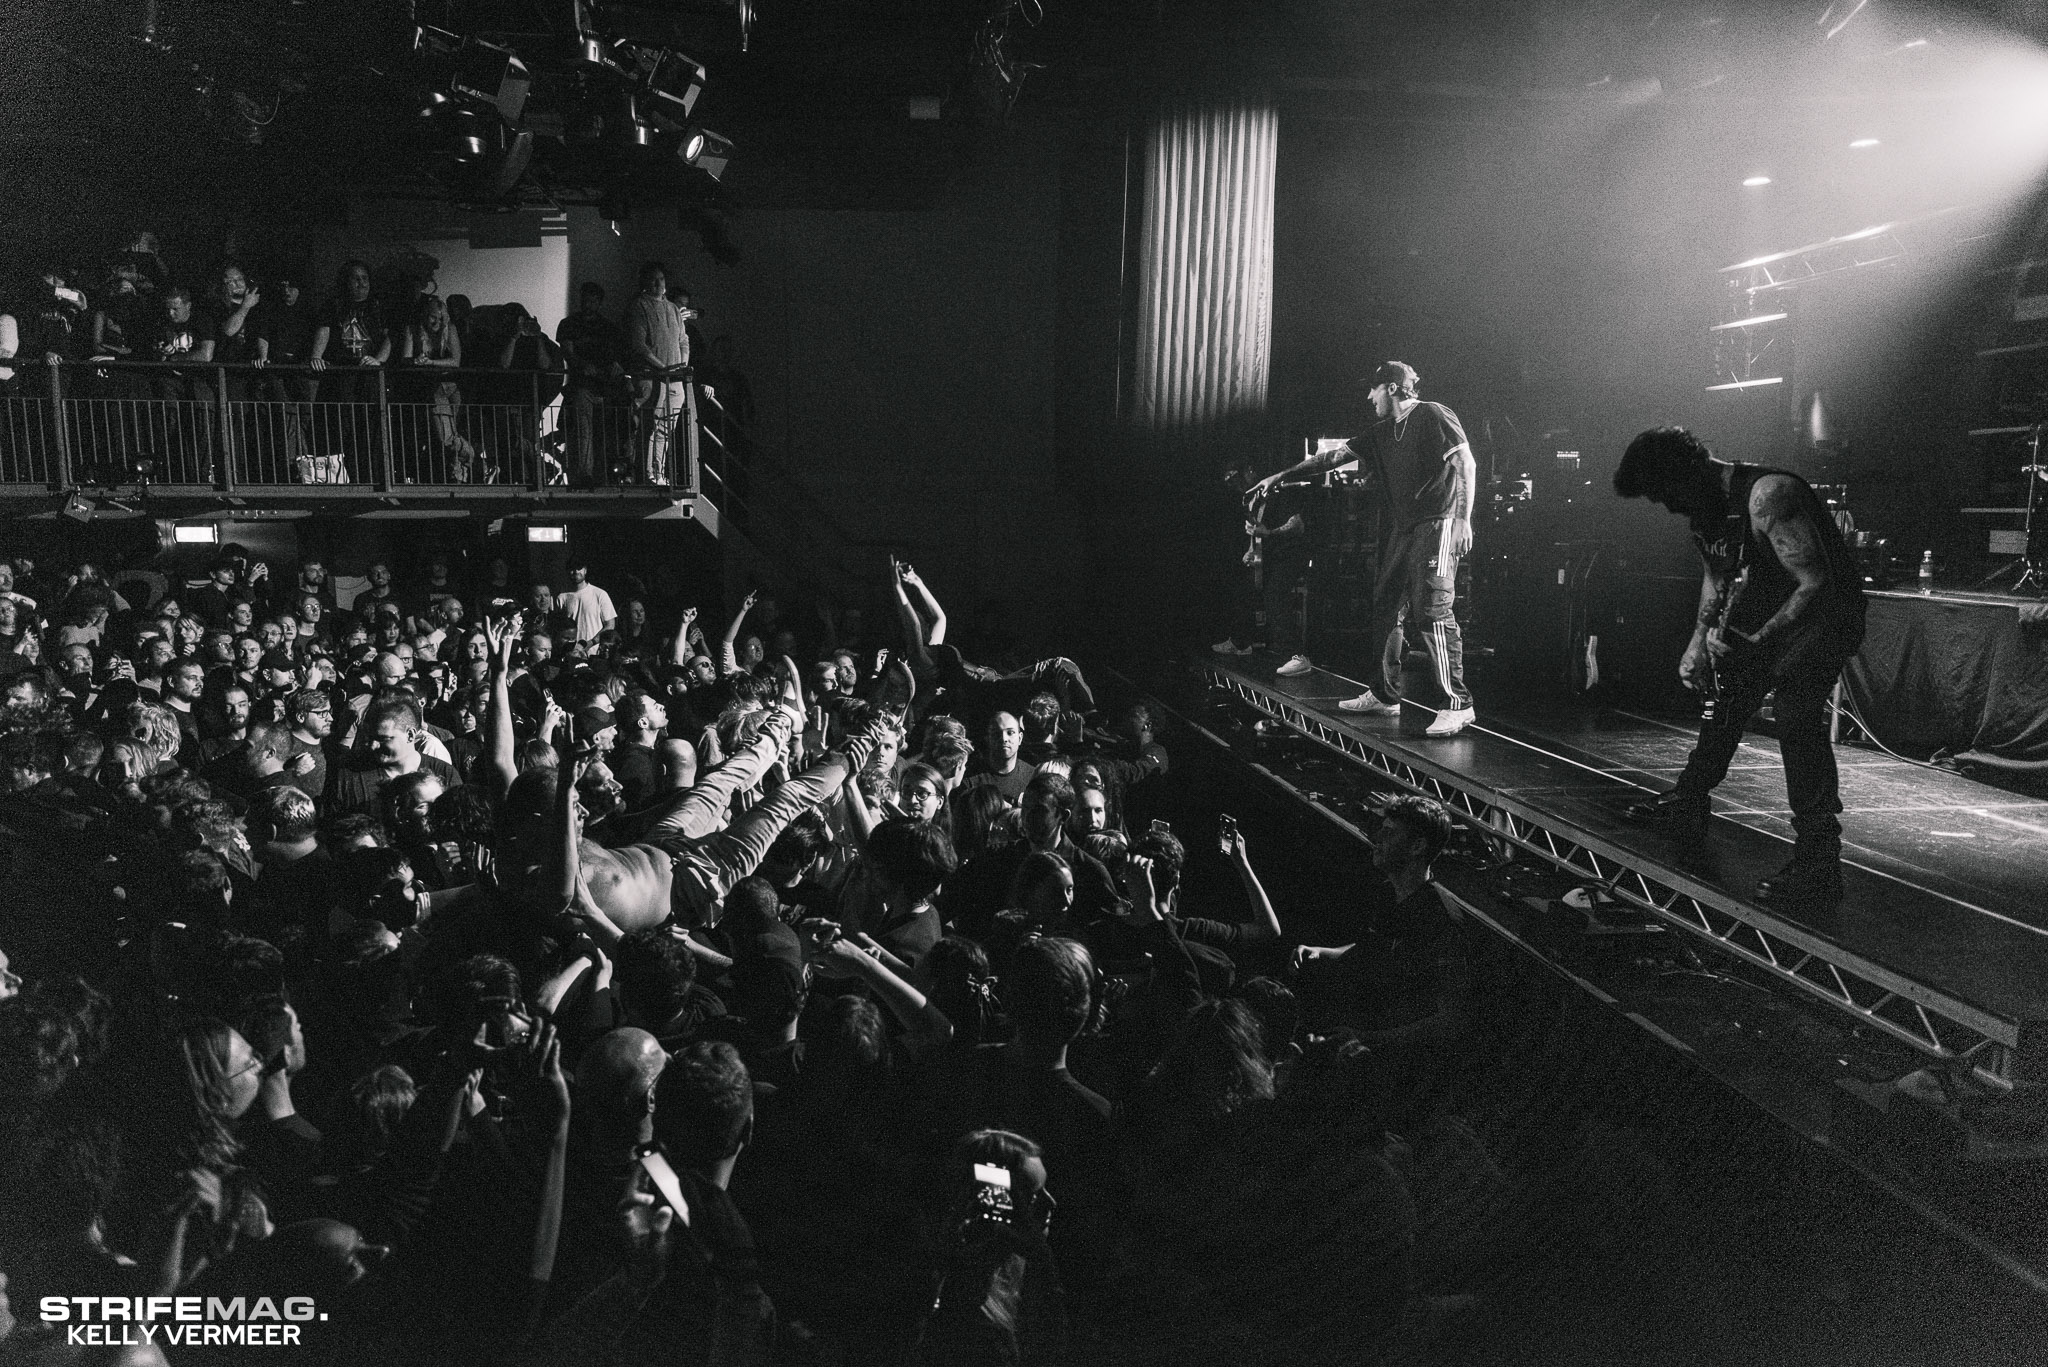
{"points": [[61, 427], [224, 477], [540, 466], [385, 473], [685, 478]]}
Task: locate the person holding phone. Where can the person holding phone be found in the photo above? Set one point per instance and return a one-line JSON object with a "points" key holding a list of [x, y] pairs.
{"points": [[703, 1119]]}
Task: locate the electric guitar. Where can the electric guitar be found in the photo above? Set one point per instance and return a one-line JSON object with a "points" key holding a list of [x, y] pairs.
{"points": [[1708, 676], [1255, 544]]}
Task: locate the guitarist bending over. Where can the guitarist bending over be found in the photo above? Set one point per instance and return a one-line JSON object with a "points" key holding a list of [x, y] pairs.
{"points": [[1781, 608]]}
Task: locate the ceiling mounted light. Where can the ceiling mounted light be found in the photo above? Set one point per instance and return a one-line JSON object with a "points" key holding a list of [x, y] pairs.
{"points": [[707, 151], [1754, 182], [492, 74], [670, 84], [1860, 143]]}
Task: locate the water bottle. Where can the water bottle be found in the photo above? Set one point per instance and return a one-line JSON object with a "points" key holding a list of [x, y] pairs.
{"points": [[1927, 571]]}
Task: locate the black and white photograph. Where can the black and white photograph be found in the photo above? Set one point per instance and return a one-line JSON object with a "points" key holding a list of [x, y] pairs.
{"points": [[1024, 683]]}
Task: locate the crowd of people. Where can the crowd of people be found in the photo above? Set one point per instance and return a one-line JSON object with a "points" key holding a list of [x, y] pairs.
{"points": [[615, 375], [527, 980]]}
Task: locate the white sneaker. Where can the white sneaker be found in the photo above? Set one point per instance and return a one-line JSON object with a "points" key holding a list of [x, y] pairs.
{"points": [[1293, 668], [1450, 721], [1369, 703]]}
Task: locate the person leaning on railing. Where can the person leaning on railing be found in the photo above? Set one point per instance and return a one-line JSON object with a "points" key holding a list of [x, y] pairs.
{"points": [[282, 328], [432, 340], [350, 338]]}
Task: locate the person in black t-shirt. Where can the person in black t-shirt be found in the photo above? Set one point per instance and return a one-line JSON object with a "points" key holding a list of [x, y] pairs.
{"points": [[234, 304], [1402, 985], [185, 333], [350, 340], [595, 349], [122, 323], [1422, 461], [283, 327]]}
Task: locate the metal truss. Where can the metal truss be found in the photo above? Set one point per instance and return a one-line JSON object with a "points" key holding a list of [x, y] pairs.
{"points": [[1871, 995], [1787, 270]]}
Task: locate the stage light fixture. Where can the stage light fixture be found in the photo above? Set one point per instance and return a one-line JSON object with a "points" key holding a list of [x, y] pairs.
{"points": [[707, 151], [670, 84], [1754, 182], [78, 508], [635, 129], [492, 74]]}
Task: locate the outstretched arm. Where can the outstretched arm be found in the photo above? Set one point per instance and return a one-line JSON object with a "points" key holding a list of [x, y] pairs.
{"points": [[728, 652], [913, 626], [680, 654], [837, 956], [561, 871], [500, 752], [1315, 464], [937, 635], [1266, 922]]}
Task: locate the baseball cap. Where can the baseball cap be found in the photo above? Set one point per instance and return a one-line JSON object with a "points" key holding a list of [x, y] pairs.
{"points": [[278, 659], [593, 719]]}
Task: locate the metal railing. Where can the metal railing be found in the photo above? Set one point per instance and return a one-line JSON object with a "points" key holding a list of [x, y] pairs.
{"points": [[110, 424]]}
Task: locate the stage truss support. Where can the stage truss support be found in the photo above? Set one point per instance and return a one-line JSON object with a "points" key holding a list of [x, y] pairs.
{"points": [[1869, 994]]}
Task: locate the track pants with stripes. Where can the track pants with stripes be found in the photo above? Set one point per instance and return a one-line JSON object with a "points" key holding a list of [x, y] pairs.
{"points": [[1411, 601]]}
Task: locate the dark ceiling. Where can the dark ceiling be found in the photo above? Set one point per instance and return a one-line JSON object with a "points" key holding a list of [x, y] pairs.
{"points": [[278, 108]]}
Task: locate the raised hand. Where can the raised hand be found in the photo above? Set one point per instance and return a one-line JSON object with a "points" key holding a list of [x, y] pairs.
{"points": [[539, 1078]]}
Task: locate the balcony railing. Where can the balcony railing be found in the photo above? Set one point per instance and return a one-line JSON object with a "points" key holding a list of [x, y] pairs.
{"points": [[375, 429]]}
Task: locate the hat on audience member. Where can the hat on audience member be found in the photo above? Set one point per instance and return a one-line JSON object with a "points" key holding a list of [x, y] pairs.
{"points": [[278, 661], [593, 719]]}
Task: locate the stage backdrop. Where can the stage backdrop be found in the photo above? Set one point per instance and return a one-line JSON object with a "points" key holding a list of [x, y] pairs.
{"points": [[1205, 286]]}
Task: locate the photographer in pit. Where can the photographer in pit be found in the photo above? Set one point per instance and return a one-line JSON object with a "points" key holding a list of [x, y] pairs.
{"points": [[995, 1286]]}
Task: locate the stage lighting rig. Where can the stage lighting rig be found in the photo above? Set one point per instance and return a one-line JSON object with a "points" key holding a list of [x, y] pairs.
{"points": [[712, 26]]}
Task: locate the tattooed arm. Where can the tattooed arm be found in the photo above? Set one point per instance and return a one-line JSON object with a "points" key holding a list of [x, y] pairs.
{"points": [[1780, 515]]}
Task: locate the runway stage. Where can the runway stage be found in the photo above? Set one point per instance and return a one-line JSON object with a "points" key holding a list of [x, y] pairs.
{"points": [[1941, 939]]}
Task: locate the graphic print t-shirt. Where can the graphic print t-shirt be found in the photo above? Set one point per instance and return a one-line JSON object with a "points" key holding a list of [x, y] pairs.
{"points": [[353, 332], [177, 341]]}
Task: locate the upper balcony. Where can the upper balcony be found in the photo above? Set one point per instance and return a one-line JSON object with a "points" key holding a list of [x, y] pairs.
{"points": [[386, 442]]}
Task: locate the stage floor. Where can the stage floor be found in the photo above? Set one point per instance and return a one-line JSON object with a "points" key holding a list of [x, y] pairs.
{"points": [[1946, 880]]}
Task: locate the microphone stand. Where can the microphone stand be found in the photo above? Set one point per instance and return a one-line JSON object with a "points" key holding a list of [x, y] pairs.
{"points": [[2031, 570]]}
